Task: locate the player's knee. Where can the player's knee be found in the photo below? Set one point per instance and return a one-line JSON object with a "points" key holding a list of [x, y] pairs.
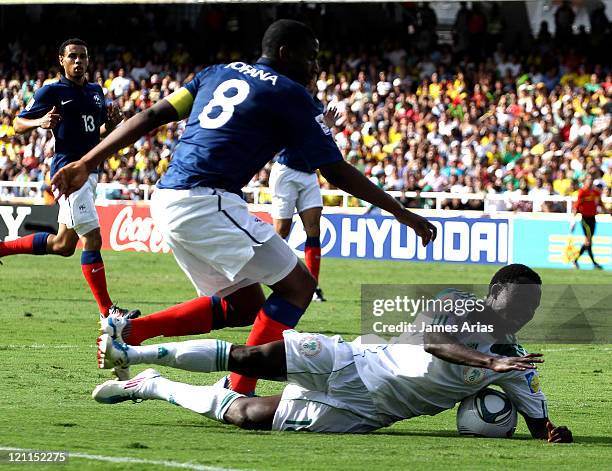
{"points": [[242, 414], [93, 240], [310, 284], [63, 248], [304, 290]]}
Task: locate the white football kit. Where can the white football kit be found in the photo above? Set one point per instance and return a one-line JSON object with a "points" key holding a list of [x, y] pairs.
{"points": [[78, 211], [359, 386], [239, 116], [219, 245], [293, 190]]}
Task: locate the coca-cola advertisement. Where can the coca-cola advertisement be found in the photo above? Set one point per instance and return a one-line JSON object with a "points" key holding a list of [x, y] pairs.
{"points": [[129, 227]]}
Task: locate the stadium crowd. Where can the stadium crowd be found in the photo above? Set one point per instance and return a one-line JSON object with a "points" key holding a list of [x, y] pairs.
{"points": [[468, 117]]}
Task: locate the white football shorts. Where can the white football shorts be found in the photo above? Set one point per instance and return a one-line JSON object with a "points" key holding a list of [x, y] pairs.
{"points": [[78, 211], [219, 245], [293, 190], [325, 392]]}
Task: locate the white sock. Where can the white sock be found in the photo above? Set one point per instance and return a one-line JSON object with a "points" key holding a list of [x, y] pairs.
{"points": [[192, 355], [209, 401]]}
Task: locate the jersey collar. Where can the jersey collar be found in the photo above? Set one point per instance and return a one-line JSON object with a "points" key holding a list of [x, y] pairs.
{"points": [[265, 61], [65, 81]]}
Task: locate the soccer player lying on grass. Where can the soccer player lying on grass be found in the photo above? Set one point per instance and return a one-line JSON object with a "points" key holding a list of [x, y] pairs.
{"points": [[338, 386]]}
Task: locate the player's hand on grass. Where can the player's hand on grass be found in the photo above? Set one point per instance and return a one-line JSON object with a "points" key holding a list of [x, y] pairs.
{"points": [[423, 228], [69, 179], [50, 120], [560, 434], [527, 362]]}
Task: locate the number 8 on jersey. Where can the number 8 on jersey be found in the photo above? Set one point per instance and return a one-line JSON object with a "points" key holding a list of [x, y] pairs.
{"points": [[226, 103]]}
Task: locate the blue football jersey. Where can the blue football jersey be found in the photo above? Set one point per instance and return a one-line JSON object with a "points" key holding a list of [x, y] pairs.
{"points": [[83, 111], [242, 115], [295, 161]]}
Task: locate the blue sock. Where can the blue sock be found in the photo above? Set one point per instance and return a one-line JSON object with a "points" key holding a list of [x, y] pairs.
{"points": [[282, 311], [91, 256], [39, 244]]}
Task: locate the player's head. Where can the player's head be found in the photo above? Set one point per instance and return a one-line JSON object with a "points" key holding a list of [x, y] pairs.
{"points": [[294, 49], [514, 295], [588, 181], [73, 58]]}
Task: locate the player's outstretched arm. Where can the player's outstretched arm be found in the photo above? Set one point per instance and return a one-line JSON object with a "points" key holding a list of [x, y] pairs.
{"points": [[47, 121], [447, 348], [544, 429], [73, 176], [348, 178]]}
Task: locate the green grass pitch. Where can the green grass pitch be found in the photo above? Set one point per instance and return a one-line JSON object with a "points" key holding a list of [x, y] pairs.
{"points": [[48, 326]]}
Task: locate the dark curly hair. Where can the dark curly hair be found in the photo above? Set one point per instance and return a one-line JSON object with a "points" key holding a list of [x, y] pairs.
{"points": [[68, 42], [513, 273]]}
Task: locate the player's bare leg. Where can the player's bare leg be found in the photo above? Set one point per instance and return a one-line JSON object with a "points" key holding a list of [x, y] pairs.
{"points": [[587, 246], [253, 413], [196, 316], [43, 243], [282, 227], [267, 361], [63, 243], [311, 219], [218, 403], [282, 310]]}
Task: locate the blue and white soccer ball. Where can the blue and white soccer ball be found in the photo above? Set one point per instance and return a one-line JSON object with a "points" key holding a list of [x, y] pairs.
{"points": [[488, 413]]}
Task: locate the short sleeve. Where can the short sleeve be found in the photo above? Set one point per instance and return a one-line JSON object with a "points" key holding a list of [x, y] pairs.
{"points": [[523, 389], [40, 104], [194, 84], [307, 134]]}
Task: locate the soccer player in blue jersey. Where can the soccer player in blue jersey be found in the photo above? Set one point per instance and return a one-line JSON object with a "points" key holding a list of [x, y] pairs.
{"points": [[296, 187], [76, 112], [238, 117]]}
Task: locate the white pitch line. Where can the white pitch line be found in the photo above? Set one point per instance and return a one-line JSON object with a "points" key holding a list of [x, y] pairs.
{"points": [[41, 346], [123, 459]]}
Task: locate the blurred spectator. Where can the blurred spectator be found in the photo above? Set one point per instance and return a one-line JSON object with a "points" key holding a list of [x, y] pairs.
{"points": [[413, 116]]}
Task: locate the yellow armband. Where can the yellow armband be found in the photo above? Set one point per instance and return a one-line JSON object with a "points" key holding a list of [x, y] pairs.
{"points": [[181, 101]]}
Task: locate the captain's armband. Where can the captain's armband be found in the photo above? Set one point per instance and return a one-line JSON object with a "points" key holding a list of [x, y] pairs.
{"points": [[182, 101]]}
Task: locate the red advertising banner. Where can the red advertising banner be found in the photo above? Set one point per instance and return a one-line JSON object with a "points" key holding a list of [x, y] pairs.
{"points": [[128, 227]]}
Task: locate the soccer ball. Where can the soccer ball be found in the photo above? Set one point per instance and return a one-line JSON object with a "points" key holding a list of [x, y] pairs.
{"points": [[488, 413]]}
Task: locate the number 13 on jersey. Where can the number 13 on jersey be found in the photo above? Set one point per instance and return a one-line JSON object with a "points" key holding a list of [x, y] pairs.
{"points": [[226, 103], [88, 122]]}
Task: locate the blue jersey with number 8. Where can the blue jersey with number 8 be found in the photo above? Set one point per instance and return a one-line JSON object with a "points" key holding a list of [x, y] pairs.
{"points": [[242, 115]]}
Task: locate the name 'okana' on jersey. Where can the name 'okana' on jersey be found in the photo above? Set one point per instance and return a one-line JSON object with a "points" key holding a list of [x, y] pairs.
{"points": [[247, 69]]}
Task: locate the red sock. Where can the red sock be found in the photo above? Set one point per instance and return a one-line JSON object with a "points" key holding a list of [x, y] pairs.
{"points": [[265, 329], [96, 279], [197, 316], [17, 246], [312, 258]]}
